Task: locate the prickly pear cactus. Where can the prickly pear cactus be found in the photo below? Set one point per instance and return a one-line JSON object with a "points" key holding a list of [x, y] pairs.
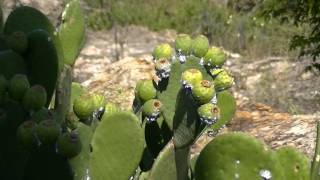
{"points": [[183, 84]]}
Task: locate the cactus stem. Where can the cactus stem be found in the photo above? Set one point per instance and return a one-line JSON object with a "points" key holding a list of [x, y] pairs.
{"points": [[316, 159], [63, 94]]}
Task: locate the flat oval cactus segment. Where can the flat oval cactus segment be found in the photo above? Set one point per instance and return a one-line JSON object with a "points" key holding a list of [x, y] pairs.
{"points": [[42, 61], [33, 19], [165, 166], [71, 31], [295, 164], [237, 156], [117, 147]]}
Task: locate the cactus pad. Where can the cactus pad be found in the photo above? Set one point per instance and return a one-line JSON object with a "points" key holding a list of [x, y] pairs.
{"points": [[117, 147], [226, 157]]}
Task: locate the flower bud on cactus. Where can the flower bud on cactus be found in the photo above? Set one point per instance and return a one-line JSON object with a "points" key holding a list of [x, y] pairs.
{"points": [[83, 106], [190, 77], [223, 80], [48, 131], [215, 57], [17, 41], [183, 44], [35, 97], [69, 144], [26, 134], [163, 68], [42, 114], [3, 87], [200, 46], [18, 85], [203, 91], [98, 101], [145, 90], [162, 51], [209, 113], [151, 109]]}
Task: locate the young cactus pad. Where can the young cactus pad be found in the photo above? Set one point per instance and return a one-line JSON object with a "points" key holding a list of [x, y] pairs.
{"points": [[117, 147], [71, 31]]}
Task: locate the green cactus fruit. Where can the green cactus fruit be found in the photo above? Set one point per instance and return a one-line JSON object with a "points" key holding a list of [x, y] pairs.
{"points": [[295, 165], [43, 114], [17, 41], [83, 106], [3, 87], [42, 61], [203, 91], [26, 134], [110, 108], [48, 131], [226, 157], [11, 64], [98, 101], [223, 80], [18, 86], [183, 44], [200, 46], [190, 77], [69, 144], [145, 90], [162, 51], [215, 57], [35, 98], [209, 113], [151, 109], [163, 68]]}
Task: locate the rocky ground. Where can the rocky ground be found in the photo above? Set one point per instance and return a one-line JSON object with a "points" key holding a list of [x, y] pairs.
{"points": [[277, 100]]}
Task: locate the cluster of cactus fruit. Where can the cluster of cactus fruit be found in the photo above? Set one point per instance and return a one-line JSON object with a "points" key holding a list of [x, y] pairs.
{"points": [[52, 128]]}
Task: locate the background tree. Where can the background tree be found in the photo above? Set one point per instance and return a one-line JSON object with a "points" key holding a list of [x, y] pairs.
{"points": [[303, 13]]}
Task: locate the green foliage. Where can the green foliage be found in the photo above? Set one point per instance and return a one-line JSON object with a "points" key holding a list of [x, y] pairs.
{"points": [[302, 13]]}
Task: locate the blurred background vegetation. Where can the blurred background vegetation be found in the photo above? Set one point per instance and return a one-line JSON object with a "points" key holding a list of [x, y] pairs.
{"points": [[237, 25]]}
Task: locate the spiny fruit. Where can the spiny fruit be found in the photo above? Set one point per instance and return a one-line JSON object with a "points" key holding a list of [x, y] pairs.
{"points": [[183, 44], [98, 101], [200, 46], [163, 68], [42, 114], [83, 106], [223, 80], [110, 108], [203, 91], [17, 41], [162, 51], [26, 134], [190, 77], [48, 131], [35, 97], [18, 85], [69, 144], [145, 90], [215, 57], [209, 113], [151, 109]]}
